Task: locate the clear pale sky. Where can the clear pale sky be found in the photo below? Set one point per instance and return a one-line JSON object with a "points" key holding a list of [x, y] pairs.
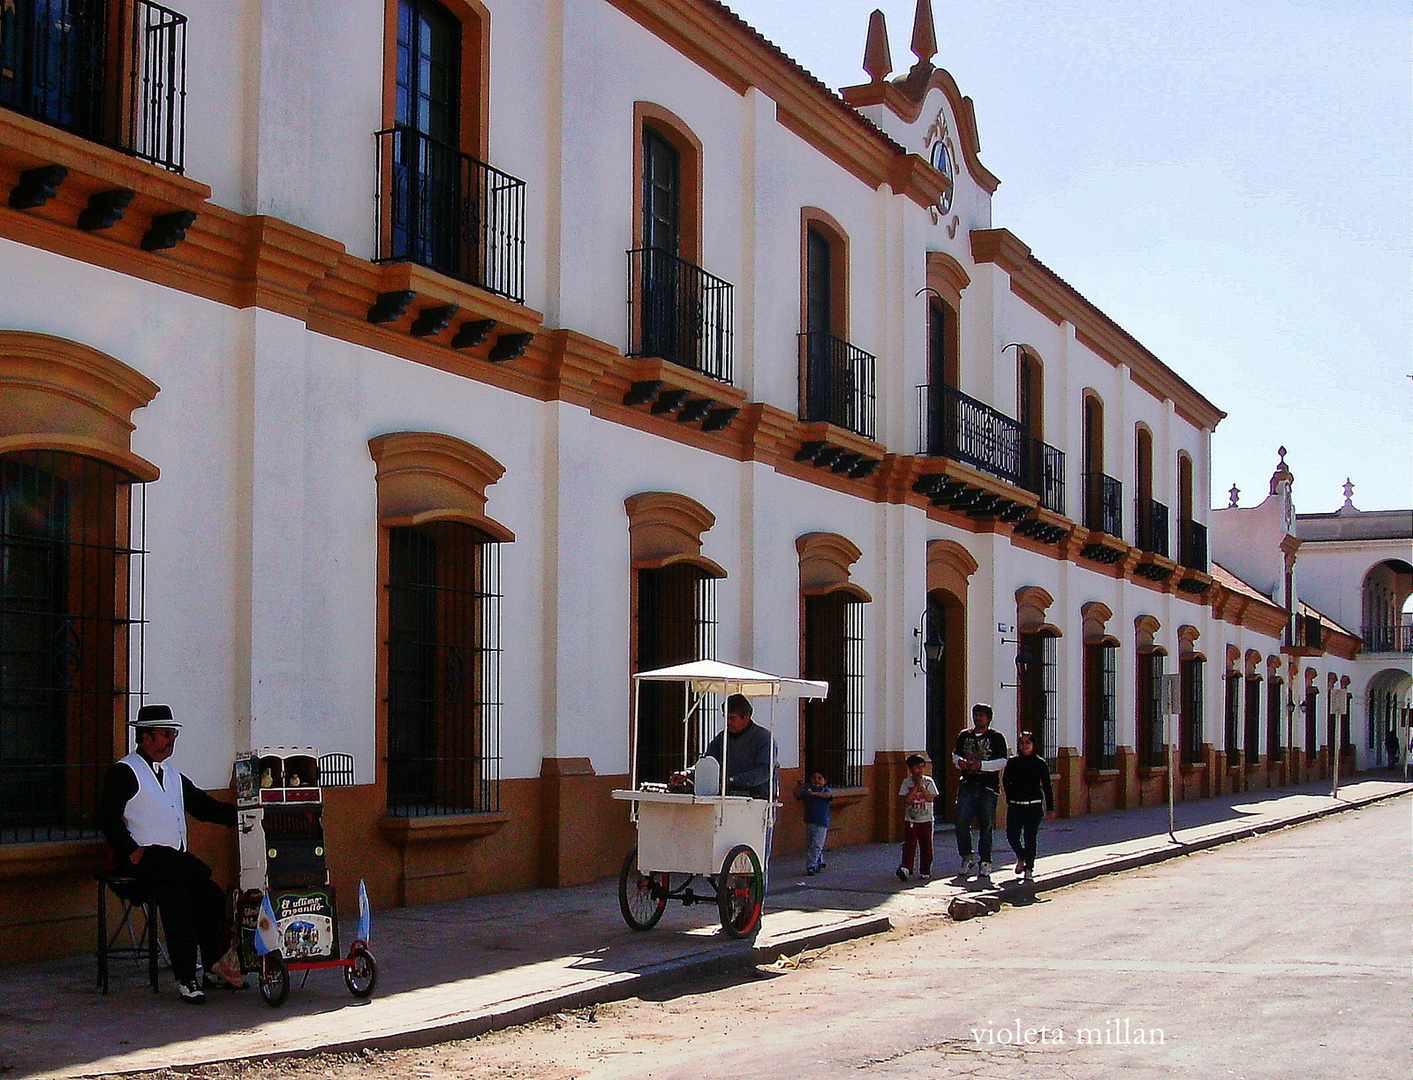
{"points": [[1230, 182]]}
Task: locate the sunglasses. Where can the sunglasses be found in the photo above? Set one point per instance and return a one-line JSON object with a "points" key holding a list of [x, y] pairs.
{"points": [[172, 732]]}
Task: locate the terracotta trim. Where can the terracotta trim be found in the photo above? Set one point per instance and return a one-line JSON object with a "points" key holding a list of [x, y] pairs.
{"points": [[825, 561], [949, 568], [666, 527], [425, 476], [947, 276]]}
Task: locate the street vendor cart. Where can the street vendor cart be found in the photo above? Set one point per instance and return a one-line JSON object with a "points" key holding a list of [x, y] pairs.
{"points": [[286, 912], [698, 843]]}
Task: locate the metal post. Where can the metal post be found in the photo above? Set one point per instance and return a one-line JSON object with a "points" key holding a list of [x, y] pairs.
{"points": [[1172, 694], [1339, 706]]}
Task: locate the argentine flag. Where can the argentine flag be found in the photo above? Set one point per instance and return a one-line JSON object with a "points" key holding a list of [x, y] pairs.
{"points": [[267, 930], [365, 913]]}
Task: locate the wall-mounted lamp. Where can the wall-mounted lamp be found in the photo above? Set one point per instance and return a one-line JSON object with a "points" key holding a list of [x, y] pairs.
{"points": [[927, 653]]}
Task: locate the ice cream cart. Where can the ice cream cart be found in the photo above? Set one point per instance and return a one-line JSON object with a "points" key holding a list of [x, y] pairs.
{"points": [[698, 843], [286, 911]]}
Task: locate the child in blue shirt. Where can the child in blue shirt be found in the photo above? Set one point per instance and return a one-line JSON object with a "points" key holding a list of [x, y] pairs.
{"points": [[816, 796]]}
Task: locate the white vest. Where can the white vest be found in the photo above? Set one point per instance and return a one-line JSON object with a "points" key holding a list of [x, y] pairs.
{"points": [[157, 813]]}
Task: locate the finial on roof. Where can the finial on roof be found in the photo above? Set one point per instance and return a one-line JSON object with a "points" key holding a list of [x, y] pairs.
{"points": [[877, 61], [1348, 507], [924, 36], [1233, 495], [1282, 472]]}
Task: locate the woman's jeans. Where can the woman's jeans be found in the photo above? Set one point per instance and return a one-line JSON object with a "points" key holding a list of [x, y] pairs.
{"points": [[975, 801], [1022, 826]]}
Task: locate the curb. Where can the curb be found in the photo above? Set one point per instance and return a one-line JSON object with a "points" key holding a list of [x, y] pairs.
{"points": [[1157, 855]]}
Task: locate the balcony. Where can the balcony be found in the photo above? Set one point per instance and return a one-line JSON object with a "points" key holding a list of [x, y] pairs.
{"points": [[447, 211], [1305, 634], [1152, 518], [1103, 504], [679, 313], [112, 73], [836, 383], [1388, 637], [1192, 546], [964, 429]]}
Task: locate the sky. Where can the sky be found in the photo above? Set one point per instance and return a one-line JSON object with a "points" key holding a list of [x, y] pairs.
{"points": [[1228, 181]]}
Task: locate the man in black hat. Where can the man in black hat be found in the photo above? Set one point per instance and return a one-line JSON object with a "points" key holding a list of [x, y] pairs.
{"points": [[143, 812]]}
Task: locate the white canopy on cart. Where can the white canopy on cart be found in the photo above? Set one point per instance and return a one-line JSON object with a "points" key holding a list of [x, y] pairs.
{"points": [[714, 677]]}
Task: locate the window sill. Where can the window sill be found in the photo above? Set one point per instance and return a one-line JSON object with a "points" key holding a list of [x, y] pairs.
{"points": [[452, 828], [1147, 772], [1190, 767], [52, 859], [848, 796], [1095, 776]]}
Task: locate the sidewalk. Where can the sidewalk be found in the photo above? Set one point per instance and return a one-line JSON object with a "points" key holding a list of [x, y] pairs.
{"points": [[458, 969]]}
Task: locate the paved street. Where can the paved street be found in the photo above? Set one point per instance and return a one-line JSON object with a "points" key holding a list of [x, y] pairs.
{"points": [[1285, 955]]}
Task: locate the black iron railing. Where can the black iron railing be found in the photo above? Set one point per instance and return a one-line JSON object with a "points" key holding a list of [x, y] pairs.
{"points": [[112, 71], [1388, 637], [445, 210], [836, 383], [679, 312], [1305, 632], [958, 426], [1103, 504], [1192, 545], [1152, 518]]}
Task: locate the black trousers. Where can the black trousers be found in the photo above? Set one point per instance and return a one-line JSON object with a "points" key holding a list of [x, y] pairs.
{"points": [[192, 905], [1022, 828]]}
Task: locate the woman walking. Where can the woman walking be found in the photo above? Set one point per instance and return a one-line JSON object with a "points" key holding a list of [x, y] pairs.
{"points": [[1029, 797]]}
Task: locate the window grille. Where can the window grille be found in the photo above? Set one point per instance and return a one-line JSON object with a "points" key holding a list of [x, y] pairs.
{"points": [[443, 694], [1150, 710], [1253, 719], [1039, 690], [676, 624], [1274, 750], [1193, 670], [834, 652], [1312, 704], [1100, 705], [1232, 735], [71, 548]]}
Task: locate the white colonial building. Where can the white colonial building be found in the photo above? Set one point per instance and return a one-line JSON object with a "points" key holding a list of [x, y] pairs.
{"points": [[400, 396]]}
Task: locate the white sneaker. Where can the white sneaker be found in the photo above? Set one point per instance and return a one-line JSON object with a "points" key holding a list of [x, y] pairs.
{"points": [[191, 992], [984, 871], [902, 873], [969, 866], [1028, 874]]}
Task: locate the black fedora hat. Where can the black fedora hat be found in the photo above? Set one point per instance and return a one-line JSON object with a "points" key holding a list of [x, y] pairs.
{"points": [[155, 716]]}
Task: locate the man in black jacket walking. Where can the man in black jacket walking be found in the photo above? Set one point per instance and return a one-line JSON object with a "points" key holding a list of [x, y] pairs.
{"points": [[1029, 797]]}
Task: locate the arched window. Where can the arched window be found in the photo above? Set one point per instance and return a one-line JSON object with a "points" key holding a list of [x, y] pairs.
{"points": [[71, 537], [946, 279], [1103, 495], [1037, 670], [1100, 688], [1151, 516], [1148, 712], [674, 621], [836, 378], [1231, 739], [439, 612], [832, 647], [1191, 672], [1252, 741], [1275, 710]]}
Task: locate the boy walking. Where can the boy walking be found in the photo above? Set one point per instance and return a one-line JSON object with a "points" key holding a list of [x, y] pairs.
{"points": [[816, 795], [917, 792]]}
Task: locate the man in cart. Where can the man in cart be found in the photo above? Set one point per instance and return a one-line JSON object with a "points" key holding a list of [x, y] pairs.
{"points": [[750, 765], [143, 813]]}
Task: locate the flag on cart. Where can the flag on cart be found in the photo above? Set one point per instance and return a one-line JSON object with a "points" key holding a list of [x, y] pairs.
{"points": [[267, 929], [365, 913]]}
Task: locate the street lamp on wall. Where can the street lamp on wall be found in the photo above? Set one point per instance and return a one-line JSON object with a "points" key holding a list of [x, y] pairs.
{"points": [[928, 648]]}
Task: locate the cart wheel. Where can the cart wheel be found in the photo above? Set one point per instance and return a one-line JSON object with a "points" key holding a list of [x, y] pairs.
{"points": [[642, 897], [361, 975], [740, 891], [274, 980]]}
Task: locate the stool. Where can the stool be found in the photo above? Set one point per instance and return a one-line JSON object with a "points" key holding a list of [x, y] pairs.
{"points": [[140, 945]]}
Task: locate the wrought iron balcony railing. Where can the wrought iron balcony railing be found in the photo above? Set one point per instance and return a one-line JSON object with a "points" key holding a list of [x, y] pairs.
{"points": [[1152, 518], [445, 210], [1305, 632], [679, 312], [1103, 504], [1192, 546], [1388, 637], [957, 426], [836, 383], [111, 71]]}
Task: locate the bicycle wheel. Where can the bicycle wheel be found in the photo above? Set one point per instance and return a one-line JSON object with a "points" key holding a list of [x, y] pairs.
{"points": [[740, 891], [274, 980], [361, 976], [641, 897]]}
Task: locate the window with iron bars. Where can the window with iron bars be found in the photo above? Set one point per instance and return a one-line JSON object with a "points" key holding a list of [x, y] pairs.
{"points": [[71, 538], [834, 652], [1100, 704], [1039, 677], [1192, 669], [1253, 719], [1274, 703], [1312, 705], [1232, 735], [443, 692], [676, 623], [1150, 710]]}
